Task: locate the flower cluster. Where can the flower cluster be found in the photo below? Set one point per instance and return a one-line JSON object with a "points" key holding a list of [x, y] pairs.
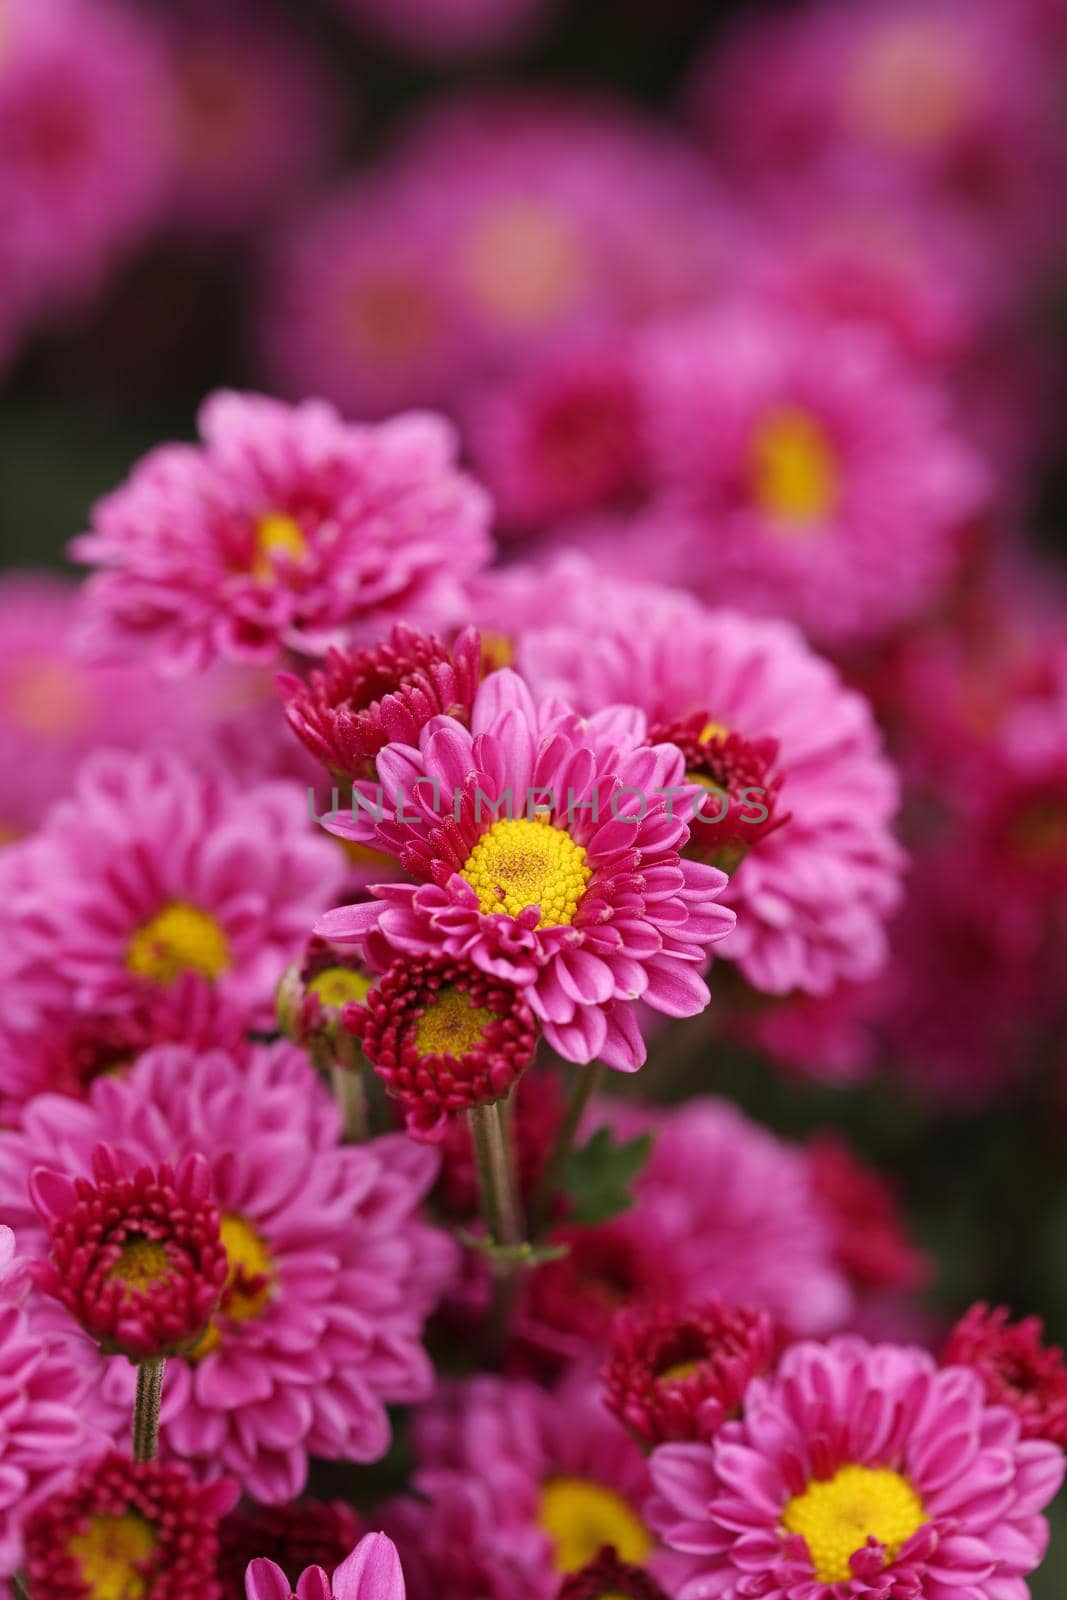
{"points": [[533, 853]]}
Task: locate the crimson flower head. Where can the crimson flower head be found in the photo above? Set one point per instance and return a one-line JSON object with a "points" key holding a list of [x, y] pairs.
{"points": [[313, 996], [366, 699], [743, 783], [443, 1035], [127, 1528], [136, 1258], [675, 1375], [1017, 1368], [608, 1578]]}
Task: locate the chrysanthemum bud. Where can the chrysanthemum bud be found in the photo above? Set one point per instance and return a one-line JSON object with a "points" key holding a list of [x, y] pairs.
{"points": [[1017, 1368], [681, 1374], [443, 1036], [136, 1258]]}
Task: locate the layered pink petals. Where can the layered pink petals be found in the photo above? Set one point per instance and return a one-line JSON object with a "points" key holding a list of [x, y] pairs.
{"points": [[980, 1485], [286, 527], [646, 921]]}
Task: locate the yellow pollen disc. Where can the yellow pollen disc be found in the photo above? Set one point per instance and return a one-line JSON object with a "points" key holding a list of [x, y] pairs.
{"points": [[247, 1259], [142, 1263], [50, 699], [277, 535], [109, 1554], [180, 938], [914, 83], [498, 650], [336, 986], [794, 468], [838, 1516], [581, 1517], [675, 1374], [451, 1025], [524, 862], [524, 263], [713, 730]]}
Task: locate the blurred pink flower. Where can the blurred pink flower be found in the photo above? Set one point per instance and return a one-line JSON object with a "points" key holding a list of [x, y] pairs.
{"points": [[83, 139], [817, 478], [285, 528], [723, 1209], [812, 895], [254, 112], [520, 1484]]}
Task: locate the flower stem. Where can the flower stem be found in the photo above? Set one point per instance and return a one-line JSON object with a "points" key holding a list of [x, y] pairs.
{"points": [[146, 1409], [350, 1093], [586, 1084], [496, 1175]]}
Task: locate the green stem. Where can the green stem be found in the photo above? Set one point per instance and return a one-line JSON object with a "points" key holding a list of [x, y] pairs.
{"points": [[21, 1592], [146, 1409], [586, 1084], [496, 1175], [350, 1093]]}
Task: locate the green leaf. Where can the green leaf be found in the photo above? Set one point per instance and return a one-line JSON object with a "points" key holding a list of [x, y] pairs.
{"points": [[598, 1176]]}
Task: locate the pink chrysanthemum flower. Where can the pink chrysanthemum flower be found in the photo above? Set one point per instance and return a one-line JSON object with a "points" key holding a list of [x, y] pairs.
{"points": [[561, 437], [383, 694], [560, 1477], [723, 1209], [254, 112], [608, 1578], [44, 1388], [56, 708], [791, 760], [127, 1528], [371, 1572], [443, 1035], [948, 94], [82, 171], [330, 1276], [872, 1243], [574, 218], [817, 478], [578, 893], [447, 30], [65, 1051], [1017, 1368], [680, 1374], [151, 871], [285, 528], [135, 1256], [309, 1533], [859, 1469]]}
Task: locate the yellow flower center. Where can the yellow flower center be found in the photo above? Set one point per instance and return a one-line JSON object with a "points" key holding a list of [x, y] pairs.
{"points": [[336, 986], [524, 862], [451, 1025], [180, 938], [581, 1517], [249, 1279], [524, 263], [680, 1371], [112, 1553], [277, 535], [48, 698], [142, 1263], [838, 1516], [794, 468], [498, 650], [913, 83]]}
